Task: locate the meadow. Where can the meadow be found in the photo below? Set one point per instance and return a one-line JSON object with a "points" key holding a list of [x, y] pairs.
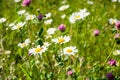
{"points": [[59, 40]]}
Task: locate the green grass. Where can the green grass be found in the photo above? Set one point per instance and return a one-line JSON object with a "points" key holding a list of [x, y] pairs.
{"points": [[91, 61]]}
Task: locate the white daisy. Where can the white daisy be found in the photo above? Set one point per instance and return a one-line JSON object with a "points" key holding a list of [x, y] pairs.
{"points": [[18, 26], [49, 21], [90, 2], [30, 17], [63, 16], [78, 15], [112, 21], [114, 0], [46, 44], [117, 52], [62, 39], [51, 31], [17, 1], [64, 1], [2, 20], [24, 44], [48, 36], [11, 24], [70, 50], [21, 12], [64, 7], [38, 50], [48, 15]]}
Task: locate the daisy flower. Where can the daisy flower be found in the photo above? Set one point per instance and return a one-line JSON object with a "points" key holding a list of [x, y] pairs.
{"points": [[18, 26], [117, 52], [48, 36], [38, 50], [62, 39], [11, 24], [48, 15], [63, 16], [112, 21], [51, 31], [30, 17], [78, 15], [17, 1], [49, 21], [64, 1], [2, 20], [21, 12], [24, 44], [114, 0], [90, 2], [70, 50], [64, 7], [46, 44]]}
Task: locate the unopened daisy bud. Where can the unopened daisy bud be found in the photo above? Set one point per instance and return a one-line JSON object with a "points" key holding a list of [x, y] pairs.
{"points": [[96, 32], [117, 25], [40, 17], [26, 2], [69, 73], [110, 76], [61, 27], [112, 62]]}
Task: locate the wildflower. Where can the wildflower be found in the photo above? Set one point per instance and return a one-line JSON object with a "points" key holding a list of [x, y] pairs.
{"points": [[117, 25], [117, 52], [69, 73], [78, 15], [112, 62], [63, 16], [96, 32], [110, 76], [64, 7], [64, 1], [38, 50], [114, 0], [61, 39], [11, 24], [70, 50], [48, 15], [26, 43], [90, 2], [21, 12], [17, 1], [18, 26], [49, 21], [26, 2], [51, 31], [2, 20], [30, 17], [117, 35], [112, 21], [46, 44], [48, 36], [40, 16], [62, 27]]}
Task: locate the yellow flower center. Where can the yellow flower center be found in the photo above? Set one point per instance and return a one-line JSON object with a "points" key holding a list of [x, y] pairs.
{"points": [[18, 27], [113, 21], [38, 50], [115, 53], [23, 44], [69, 50], [31, 17], [61, 40], [77, 17]]}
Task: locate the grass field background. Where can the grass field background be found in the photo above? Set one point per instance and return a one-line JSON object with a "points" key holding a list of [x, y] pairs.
{"points": [[94, 52]]}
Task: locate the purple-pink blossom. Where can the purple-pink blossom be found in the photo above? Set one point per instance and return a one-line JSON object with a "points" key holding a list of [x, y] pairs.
{"points": [[26, 2]]}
